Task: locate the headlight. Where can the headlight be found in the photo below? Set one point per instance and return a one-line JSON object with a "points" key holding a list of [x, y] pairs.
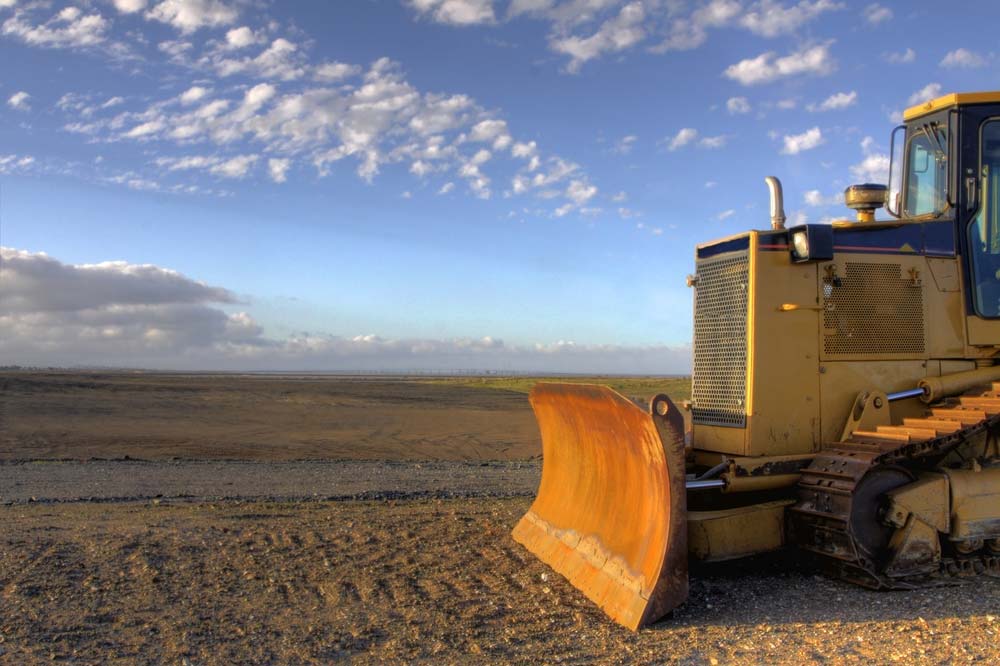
{"points": [[811, 242], [800, 244]]}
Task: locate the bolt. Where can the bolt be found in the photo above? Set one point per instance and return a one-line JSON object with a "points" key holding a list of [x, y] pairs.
{"points": [[878, 403]]}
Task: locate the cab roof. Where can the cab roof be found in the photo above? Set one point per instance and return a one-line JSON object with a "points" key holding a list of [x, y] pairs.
{"points": [[947, 101]]}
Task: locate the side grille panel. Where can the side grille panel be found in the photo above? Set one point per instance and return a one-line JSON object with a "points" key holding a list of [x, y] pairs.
{"points": [[872, 310], [719, 381]]}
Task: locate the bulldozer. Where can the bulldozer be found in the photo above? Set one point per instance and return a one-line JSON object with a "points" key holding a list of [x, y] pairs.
{"points": [[845, 397]]}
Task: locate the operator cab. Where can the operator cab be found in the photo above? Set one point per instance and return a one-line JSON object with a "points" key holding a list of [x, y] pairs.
{"points": [[945, 166]]}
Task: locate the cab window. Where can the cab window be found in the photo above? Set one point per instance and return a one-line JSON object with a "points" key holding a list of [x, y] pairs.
{"points": [[927, 171], [984, 230]]}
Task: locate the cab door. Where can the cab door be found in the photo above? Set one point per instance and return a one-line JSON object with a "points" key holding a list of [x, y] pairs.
{"points": [[978, 217]]}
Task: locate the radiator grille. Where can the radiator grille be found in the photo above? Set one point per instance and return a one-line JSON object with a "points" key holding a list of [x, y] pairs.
{"points": [[873, 309], [719, 381]]}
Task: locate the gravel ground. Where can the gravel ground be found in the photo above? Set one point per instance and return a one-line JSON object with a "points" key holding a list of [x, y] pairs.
{"points": [[420, 581], [61, 481]]}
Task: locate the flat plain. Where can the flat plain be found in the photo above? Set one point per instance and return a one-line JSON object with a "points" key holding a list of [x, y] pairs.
{"points": [[217, 519]]}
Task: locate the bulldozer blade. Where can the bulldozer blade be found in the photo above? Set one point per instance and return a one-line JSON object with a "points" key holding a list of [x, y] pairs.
{"points": [[611, 509]]}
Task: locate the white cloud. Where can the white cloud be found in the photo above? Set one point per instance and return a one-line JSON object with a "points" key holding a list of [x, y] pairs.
{"points": [[129, 6], [682, 138], [624, 145], [737, 105], [194, 94], [925, 94], [280, 60], [797, 143], [64, 30], [580, 192], [236, 167], [786, 104], [19, 101], [456, 12], [620, 197], [816, 198], [685, 32], [766, 67], [874, 168], [242, 37], [834, 102], [725, 215], [770, 19], [446, 188], [900, 57], [713, 142], [876, 13], [140, 315], [190, 15], [144, 130], [616, 34], [963, 58], [16, 163], [335, 71], [277, 168], [709, 184]]}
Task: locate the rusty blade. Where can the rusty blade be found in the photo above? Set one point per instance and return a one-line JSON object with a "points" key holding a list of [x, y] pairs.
{"points": [[611, 510]]}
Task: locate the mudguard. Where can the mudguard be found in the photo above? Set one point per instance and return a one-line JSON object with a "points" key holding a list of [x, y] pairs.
{"points": [[611, 509]]}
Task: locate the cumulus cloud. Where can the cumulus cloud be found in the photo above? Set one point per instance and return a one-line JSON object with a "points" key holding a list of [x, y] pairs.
{"points": [[242, 37], [584, 30], [329, 72], [683, 137], [963, 58], [771, 19], [874, 168], [925, 94], [139, 315], [737, 105], [900, 57], [70, 28], [191, 15], [130, 6], [19, 101], [455, 12], [14, 163], [768, 67], [834, 102], [616, 34], [816, 198], [876, 13], [797, 143], [624, 145], [277, 168], [193, 94]]}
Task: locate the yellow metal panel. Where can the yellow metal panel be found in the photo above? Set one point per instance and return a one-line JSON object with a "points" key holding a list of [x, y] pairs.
{"points": [[784, 410], [719, 438], [840, 382], [947, 101], [983, 333], [975, 503], [944, 321], [715, 536]]}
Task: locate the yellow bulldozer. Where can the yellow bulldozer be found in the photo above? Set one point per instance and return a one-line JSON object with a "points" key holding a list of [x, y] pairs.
{"points": [[845, 397]]}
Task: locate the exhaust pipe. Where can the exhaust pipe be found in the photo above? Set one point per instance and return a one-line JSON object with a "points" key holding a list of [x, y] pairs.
{"points": [[777, 202]]}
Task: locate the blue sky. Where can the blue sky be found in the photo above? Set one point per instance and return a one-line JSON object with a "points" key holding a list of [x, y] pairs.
{"points": [[426, 184]]}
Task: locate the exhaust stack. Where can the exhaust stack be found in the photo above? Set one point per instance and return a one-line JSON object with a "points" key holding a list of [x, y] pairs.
{"points": [[777, 202]]}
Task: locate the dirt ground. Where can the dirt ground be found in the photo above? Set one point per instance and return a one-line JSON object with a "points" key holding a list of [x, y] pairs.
{"points": [[259, 417], [301, 547], [436, 582]]}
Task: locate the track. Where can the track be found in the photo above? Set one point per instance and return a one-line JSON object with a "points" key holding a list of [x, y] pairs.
{"points": [[837, 518]]}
